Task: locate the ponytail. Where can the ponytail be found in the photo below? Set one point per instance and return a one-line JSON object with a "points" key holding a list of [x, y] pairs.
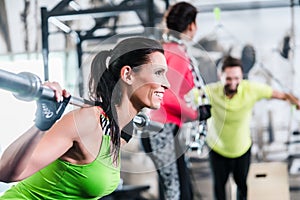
{"points": [[102, 83], [98, 67]]}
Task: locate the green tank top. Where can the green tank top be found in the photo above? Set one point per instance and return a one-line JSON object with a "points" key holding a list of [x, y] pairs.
{"points": [[63, 180]]}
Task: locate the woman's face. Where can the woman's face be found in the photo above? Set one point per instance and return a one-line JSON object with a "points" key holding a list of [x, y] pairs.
{"points": [[150, 82]]}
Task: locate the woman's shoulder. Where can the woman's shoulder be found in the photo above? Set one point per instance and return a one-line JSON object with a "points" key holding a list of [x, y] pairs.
{"points": [[87, 111], [86, 118]]}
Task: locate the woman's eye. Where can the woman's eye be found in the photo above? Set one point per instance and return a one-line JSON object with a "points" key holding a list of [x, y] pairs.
{"points": [[159, 72]]}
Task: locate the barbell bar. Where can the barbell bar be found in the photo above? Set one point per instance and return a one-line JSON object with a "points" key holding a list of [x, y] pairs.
{"points": [[27, 86]]}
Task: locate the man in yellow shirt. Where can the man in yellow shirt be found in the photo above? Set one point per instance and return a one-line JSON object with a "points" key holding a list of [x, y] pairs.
{"points": [[229, 138]]}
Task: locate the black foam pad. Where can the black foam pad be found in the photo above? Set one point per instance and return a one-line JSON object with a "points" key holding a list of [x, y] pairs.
{"points": [[248, 58]]}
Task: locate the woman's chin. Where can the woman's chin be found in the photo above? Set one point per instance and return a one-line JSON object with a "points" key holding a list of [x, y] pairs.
{"points": [[155, 107]]}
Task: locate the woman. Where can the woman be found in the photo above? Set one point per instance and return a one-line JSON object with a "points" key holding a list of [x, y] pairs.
{"points": [[78, 157], [164, 147]]}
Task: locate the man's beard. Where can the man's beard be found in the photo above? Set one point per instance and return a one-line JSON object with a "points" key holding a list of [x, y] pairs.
{"points": [[229, 91]]}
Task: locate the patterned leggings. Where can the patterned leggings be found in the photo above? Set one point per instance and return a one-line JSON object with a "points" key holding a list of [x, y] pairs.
{"points": [[165, 151]]}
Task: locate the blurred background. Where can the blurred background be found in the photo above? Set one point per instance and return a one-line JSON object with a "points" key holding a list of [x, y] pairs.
{"points": [[56, 39]]}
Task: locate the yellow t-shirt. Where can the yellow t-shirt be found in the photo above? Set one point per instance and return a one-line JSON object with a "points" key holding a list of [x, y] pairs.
{"points": [[229, 127]]}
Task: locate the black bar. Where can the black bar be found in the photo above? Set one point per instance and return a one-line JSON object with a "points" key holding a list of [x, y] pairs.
{"points": [[61, 5], [79, 62], [45, 47], [103, 9], [150, 10]]}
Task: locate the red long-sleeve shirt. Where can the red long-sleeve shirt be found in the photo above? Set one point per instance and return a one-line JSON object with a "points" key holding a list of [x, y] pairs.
{"points": [[174, 108]]}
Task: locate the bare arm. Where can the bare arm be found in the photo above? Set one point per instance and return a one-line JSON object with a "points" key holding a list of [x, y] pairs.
{"points": [[36, 149], [20, 151], [20, 159], [286, 97]]}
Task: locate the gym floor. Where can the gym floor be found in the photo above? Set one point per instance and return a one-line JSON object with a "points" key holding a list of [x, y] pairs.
{"points": [[138, 169], [203, 181]]}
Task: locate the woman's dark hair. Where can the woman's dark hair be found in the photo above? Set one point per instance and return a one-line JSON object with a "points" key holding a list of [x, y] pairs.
{"points": [[105, 74], [230, 61], [179, 16]]}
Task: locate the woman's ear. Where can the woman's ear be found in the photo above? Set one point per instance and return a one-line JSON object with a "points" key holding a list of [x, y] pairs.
{"points": [[126, 74]]}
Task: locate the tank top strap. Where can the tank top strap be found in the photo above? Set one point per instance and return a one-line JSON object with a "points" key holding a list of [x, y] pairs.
{"points": [[105, 123]]}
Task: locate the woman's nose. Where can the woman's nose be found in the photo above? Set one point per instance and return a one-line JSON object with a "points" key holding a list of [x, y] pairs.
{"points": [[166, 83]]}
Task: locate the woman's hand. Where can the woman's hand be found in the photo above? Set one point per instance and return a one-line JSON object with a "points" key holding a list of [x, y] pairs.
{"points": [[49, 111]]}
